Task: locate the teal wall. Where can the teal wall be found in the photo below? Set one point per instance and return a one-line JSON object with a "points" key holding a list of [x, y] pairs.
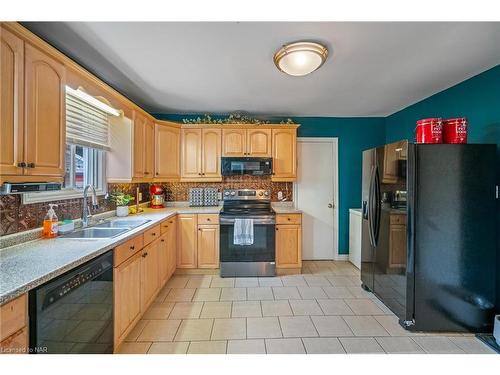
{"points": [[354, 136]]}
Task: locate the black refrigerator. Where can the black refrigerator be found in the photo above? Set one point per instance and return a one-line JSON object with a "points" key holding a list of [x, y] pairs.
{"points": [[429, 234]]}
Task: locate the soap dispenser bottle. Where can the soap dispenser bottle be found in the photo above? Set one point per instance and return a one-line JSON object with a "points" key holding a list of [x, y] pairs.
{"points": [[50, 223]]}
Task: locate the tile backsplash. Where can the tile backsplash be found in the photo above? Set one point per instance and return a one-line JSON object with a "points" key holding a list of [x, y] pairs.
{"points": [[17, 217]]}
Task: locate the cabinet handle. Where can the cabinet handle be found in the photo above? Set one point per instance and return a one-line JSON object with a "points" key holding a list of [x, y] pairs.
{"points": [[144, 255], [146, 172], [288, 218], [208, 219], [153, 234], [21, 165], [132, 247], [162, 240], [276, 228], [171, 222], [31, 165]]}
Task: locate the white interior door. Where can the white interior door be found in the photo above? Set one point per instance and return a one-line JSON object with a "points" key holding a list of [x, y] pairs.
{"points": [[316, 195]]}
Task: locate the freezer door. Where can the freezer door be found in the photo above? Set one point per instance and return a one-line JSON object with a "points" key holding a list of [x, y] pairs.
{"points": [[367, 255]]}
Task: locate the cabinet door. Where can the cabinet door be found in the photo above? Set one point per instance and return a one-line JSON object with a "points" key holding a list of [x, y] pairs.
{"points": [[149, 149], [187, 241], [15, 344], [211, 153], [11, 103], [208, 246], [288, 246], [149, 274], [234, 142], [163, 260], [284, 154], [139, 145], [191, 153], [167, 154], [45, 95], [172, 245], [127, 295], [259, 142], [397, 246], [390, 165]]}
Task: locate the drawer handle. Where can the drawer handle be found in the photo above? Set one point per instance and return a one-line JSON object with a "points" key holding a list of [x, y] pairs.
{"points": [[162, 240], [153, 234], [288, 219], [144, 255], [208, 219], [171, 222], [21, 165], [31, 165], [132, 247]]}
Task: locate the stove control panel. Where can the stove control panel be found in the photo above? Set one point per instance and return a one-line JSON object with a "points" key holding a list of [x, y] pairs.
{"points": [[246, 194]]}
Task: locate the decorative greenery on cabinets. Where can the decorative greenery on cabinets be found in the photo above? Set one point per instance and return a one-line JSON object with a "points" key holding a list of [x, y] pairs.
{"points": [[232, 119]]}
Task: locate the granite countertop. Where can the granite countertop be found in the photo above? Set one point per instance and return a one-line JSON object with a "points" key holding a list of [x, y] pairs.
{"points": [[285, 208], [28, 265]]}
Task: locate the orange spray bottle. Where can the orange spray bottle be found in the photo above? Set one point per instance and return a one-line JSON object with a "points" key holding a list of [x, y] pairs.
{"points": [[50, 226]]}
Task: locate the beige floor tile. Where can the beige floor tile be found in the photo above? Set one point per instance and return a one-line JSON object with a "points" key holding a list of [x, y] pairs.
{"points": [[207, 294], [169, 348], [134, 348], [161, 296], [260, 328], [222, 282], [159, 330], [335, 306], [285, 346], [381, 305], [323, 345], [437, 345], [331, 326], [293, 280], [365, 326], [216, 310], [391, 325], [313, 280], [194, 330], [256, 346], [229, 329], [177, 282], [270, 281], [159, 311], [286, 292], [207, 347], [363, 306], [276, 308], [341, 281], [246, 309], [136, 331], [358, 292], [186, 310], [400, 345], [297, 326], [260, 294], [233, 294], [180, 295], [337, 292], [244, 282], [361, 345], [471, 345], [199, 281], [305, 307], [311, 292]]}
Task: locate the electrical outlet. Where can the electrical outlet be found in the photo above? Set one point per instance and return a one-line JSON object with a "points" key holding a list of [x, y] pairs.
{"points": [[280, 195], [140, 197]]}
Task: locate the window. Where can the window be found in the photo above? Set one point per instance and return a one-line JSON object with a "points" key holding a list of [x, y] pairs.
{"points": [[86, 145]]}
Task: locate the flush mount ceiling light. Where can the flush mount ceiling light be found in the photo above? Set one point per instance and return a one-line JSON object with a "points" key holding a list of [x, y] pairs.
{"points": [[300, 58]]}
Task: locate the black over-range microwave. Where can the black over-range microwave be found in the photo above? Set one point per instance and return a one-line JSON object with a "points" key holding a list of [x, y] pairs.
{"points": [[247, 166]]}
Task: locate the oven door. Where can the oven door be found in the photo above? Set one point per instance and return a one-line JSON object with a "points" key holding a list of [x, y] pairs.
{"points": [[246, 166]]}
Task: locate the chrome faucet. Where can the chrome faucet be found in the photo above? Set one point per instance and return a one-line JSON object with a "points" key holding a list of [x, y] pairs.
{"points": [[86, 215]]}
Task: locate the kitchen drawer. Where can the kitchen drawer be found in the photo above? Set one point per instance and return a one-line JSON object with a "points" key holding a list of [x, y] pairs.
{"points": [[127, 249], [208, 219], [166, 223], [288, 219], [398, 219], [12, 316], [16, 343], [152, 234]]}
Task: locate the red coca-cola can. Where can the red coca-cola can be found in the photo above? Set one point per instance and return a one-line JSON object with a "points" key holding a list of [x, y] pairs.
{"points": [[455, 130], [429, 130]]}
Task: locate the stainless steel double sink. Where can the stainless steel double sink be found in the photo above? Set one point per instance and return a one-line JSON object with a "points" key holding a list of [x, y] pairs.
{"points": [[107, 229]]}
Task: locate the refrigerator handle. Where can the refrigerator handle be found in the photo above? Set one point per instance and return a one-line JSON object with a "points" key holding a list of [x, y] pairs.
{"points": [[378, 206], [370, 207]]}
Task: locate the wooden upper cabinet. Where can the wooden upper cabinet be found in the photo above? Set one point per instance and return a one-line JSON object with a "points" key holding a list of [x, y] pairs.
{"points": [[139, 145], [149, 149], [12, 103], [234, 142], [390, 163], [259, 142], [211, 153], [284, 151], [45, 94], [191, 153], [167, 153]]}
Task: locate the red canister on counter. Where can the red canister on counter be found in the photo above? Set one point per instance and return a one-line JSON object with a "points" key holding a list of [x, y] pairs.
{"points": [[455, 130], [429, 130]]}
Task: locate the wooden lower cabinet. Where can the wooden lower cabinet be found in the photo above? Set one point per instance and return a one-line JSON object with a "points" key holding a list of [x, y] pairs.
{"points": [[127, 296], [13, 326], [208, 246], [172, 246], [150, 280], [187, 238], [16, 343], [163, 259], [288, 244]]}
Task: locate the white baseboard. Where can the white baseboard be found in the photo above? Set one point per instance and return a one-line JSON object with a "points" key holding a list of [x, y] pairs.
{"points": [[341, 257]]}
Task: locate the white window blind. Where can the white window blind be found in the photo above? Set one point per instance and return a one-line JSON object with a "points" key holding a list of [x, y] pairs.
{"points": [[86, 125]]}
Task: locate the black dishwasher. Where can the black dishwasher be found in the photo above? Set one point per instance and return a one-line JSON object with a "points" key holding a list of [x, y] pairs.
{"points": [[73, 313]]}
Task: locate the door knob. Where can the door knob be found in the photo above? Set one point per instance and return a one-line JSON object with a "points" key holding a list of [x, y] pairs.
{"points": [[330, 205]]}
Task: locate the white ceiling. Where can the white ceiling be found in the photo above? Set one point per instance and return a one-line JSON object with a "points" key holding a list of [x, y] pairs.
{"points": [[373, 69]]}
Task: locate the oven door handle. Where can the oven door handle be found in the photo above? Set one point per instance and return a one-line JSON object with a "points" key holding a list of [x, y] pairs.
{"points": [[227, 221]]}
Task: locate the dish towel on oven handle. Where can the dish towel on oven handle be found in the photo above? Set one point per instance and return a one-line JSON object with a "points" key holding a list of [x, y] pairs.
{"points": [[243, 232]]}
